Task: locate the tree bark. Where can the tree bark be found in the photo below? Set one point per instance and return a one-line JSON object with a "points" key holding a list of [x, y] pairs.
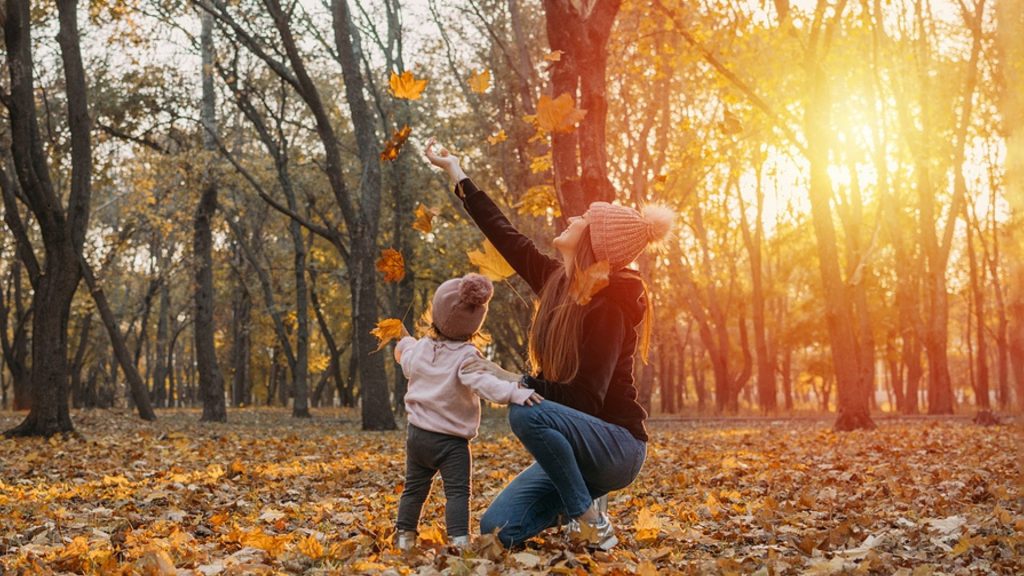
{"points": [[63, 230], [853, 406], [211, 382], [160, 391], [580, 157]]}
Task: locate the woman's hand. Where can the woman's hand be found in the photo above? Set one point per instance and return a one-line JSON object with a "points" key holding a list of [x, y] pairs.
{"points": [[480, 365], [444, 160]]}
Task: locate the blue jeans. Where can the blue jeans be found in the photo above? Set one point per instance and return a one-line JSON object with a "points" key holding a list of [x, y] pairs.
{"points": [[579, 458]]}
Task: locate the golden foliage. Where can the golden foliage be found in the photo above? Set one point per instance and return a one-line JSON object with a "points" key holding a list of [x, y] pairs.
{"points": [[480, 81], [538, 201], [145, 498], [387, 330], [394, 145], [406, 86], [556, 115], [424, 221], [497, 138], [490, 262], [391, 264]]}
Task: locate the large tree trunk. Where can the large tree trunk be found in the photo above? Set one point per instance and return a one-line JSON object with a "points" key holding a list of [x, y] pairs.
{"points": [[160, 368], [376, 407], [211, 382], [581, 32], [853, 406], [63, 232]]}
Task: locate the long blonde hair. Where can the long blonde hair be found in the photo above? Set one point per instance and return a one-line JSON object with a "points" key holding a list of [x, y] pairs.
{"points": [[554, 343]]}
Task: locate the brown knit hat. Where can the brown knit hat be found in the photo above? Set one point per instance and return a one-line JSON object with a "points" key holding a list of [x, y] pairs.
{"points": [[460, 306], [619, 234]]}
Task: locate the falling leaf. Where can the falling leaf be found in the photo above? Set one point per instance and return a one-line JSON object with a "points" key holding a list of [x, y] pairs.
{"points": [[392, 265], [394, 145], [588, 282], [425, 219], [730, 124], [406, 86], [490, 262], [497, 138], [480, 81], [311, 547], [647, 525], [553, 56], [556, 115], [538, 201], [387, 330]]}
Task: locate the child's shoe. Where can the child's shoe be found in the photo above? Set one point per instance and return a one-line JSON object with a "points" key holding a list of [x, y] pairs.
{"points": [[460, 542], [405, 540]]}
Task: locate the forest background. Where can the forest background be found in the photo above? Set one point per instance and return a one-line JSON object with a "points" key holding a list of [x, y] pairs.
{"points": [[214, 203]]}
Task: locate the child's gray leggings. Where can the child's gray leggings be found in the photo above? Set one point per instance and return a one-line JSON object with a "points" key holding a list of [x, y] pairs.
{"points": [[426, 453]]}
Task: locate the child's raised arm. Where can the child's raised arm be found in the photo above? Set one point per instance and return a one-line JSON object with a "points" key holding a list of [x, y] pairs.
{"points": [[494, 388]]}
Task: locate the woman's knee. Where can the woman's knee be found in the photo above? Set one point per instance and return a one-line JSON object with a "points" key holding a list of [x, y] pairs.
{"points": [[524, 418]]}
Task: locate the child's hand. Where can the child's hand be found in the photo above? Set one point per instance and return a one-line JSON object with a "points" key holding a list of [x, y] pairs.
{"points": [[445, 160], [533, 400]]}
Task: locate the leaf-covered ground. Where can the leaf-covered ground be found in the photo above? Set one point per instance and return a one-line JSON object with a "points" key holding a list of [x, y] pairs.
{"points": [[267, 494]]}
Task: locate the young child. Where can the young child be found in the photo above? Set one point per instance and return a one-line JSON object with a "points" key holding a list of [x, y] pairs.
{"points": [[443, 405]]}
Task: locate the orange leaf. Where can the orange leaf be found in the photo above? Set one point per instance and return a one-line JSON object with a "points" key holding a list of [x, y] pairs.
{"points": [[554, 56], [588, 282], [393, 146], [425, 219], [311, 547], [387, 330], [498, 137], [647, 526], [406, 86], [556, 115], [392, 265], [491, 262], [479, 82]]}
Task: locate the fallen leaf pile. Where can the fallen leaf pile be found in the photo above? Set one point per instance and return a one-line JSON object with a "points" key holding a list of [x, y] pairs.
{"points": [[267, 494]]}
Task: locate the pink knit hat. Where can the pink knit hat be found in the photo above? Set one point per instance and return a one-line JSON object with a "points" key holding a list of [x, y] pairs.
{"points": [[619, 234], [460, 305]]}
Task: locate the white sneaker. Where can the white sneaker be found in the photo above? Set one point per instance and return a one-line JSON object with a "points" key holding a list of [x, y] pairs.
{"points": [[405, 540], [599, 535], [460, 542]]}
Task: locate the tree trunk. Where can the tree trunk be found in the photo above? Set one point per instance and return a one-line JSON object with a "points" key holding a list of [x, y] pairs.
{"points": [[241, 338], [63, 232], [852, 402], [211, 382], [376, 405], [753, 243], [580, 157], [160, 369], [981, 378], [78, 363]]}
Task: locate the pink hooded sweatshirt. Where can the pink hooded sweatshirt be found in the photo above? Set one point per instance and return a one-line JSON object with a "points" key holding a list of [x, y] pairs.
{"points": [[444, 398]]}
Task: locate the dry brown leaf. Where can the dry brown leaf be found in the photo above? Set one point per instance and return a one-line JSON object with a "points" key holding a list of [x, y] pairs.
{"points": [[394, 145], [424, 221]]}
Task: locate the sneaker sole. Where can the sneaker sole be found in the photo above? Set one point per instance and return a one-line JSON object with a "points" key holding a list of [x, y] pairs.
{"points": [[605, 545]]}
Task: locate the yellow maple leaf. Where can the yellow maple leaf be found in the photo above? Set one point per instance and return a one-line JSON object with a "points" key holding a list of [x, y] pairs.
{"points": [[588, 282], [387, 330], [538, 200], [490, 262], [554, 56], [311, 547], [392, 265], [394, 145], [432, 536], [480, 81], [406, 86], [556, 115], [497, 137], [647, 525], [425, 219]]}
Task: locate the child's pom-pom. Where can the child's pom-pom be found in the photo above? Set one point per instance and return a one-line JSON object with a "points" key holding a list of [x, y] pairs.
{"points": [[475, 289], [659, 220]]}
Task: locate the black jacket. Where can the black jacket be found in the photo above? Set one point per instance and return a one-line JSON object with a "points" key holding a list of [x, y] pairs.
{"points": [[604, 385]]}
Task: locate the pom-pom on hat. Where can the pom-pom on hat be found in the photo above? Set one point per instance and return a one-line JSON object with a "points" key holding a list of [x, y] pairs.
{"points": [[619, 234], [460, 306]]}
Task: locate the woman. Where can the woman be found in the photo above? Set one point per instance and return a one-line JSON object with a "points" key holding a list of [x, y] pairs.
{"points": [[588, 437]]}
